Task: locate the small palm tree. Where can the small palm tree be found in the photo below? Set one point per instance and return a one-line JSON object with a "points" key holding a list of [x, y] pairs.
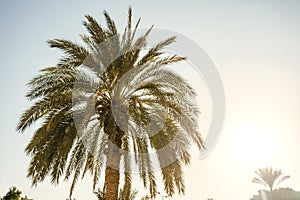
{"points": [[12, 194], [269, 177]]}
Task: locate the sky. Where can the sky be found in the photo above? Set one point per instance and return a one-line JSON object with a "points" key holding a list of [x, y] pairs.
{"points": [[254, 45]]}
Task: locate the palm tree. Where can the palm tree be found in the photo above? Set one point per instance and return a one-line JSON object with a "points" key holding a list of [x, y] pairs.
{"points": [[12, 194], [269, 177], [105, 107]]}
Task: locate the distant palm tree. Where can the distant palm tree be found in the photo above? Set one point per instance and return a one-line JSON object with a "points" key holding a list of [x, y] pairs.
{"points": [[131, 105], [12, 194], [269, 177]]}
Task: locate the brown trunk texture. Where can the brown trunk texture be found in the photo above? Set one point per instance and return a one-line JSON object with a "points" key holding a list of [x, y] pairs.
{"points": [[112, 174]]}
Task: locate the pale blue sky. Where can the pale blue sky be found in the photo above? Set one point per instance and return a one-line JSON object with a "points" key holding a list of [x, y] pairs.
{"points": [[254, 44]]}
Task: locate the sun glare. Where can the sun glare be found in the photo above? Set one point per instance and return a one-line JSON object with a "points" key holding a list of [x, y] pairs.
{"points": [[254, 144]]}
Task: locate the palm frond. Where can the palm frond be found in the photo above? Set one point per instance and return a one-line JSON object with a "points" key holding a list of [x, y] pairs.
{"points": [[110, 24], [75, 53], [97, 33]]}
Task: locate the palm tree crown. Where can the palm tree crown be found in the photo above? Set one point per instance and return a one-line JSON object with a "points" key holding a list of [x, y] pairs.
{"points": [[107, 106], [269, 177]]}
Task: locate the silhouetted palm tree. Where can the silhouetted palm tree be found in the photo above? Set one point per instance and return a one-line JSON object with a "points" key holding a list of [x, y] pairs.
{"points": [[269, 177], [14, 194], [104, 103]]}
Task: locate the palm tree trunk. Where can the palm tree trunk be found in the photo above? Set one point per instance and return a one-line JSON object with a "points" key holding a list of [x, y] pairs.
{"points": [[271, 194], [112, 174]]}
